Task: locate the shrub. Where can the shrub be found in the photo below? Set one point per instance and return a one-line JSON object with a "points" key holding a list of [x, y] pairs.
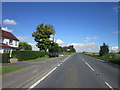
{"points": [[27, 55], [4, 58]]}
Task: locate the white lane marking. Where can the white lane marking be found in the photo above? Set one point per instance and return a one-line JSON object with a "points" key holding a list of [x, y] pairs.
{"points": [[66, 58], [82, 59], [109, 85], [35, 71], [36, 83], [89, 66], [59, 64]]}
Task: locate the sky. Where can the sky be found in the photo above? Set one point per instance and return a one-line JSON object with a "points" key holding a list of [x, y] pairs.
{"points": [[86, 25]]}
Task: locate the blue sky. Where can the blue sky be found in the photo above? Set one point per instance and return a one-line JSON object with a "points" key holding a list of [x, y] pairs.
{"points": [[85, 25]]}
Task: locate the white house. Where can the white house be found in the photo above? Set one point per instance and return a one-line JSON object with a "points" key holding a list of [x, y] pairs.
{"points": [[8, 42]]}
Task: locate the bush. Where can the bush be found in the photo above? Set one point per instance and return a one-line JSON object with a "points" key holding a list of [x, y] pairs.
{"points": [[4, 58], [28, 55]]}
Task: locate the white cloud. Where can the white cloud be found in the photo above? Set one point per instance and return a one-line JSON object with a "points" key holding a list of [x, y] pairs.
{"points": [[80, 47], [23, 38], [34, 47], [6, 29], [94, 38], [9, 22], [88, 47], [50, 38], [114, 49], [116, 9], [59, 41], [85, 41], [116, 32]]}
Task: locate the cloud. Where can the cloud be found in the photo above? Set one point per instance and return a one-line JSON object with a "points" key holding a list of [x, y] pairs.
{"points": [[59, 41], [116, 9], [80, 47], [94, 38], [6, 29], [34, 47], [9, 22], [116, 32], [85, 41], [114, 49], [23, 38], [88, 47]]}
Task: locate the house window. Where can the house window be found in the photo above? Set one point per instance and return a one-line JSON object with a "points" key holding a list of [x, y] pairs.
{"points": [[16, 43], [11, 42], [7, 43], [2, 40]]}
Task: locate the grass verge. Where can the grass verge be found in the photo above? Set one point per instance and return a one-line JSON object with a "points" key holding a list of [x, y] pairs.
{"points": [[112, 60], [37, 59], [8, 69]]}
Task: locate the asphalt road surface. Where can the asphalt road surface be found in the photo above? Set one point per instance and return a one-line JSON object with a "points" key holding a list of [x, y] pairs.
{"points": [[81, 71]]}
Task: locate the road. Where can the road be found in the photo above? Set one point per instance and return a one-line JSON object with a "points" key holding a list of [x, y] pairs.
{"points": [[23, 78], [81, 71]]}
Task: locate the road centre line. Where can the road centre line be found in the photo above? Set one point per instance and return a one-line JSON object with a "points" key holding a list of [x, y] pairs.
{"points": [[89, 66], [36, 83], [109, 86]]}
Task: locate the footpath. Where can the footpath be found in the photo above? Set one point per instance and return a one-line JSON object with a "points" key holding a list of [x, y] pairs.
{"points": [[24, 78]]}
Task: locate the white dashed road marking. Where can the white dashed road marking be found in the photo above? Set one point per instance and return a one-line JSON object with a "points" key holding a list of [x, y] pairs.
{"points": [[89, 66], [109, 85]]}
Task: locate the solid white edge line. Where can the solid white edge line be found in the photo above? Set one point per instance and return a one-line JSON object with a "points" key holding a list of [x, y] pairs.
{"points": [[82, 59], [32, 86], [89, 66], [59, 64], [36, 83], [109, 85], [66, 58]]}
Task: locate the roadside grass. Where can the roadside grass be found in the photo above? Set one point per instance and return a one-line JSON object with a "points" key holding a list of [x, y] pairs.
{"points": [[8, 69], [37, 59], [105, 58]]}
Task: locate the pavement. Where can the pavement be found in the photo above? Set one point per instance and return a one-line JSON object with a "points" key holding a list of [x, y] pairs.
{"points": [[75, 71]]}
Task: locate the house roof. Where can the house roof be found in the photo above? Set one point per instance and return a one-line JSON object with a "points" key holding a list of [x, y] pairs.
{"points": [[8, 35], [5, 45]]}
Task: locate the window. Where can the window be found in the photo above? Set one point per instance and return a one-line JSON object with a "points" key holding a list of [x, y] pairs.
{"points": [[11, 42], [15, 43]]}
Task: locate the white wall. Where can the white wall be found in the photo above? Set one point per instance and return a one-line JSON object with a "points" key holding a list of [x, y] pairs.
{"points": [[7, 41]]}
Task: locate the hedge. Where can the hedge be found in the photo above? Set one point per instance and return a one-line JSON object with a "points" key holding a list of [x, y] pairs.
{"points": [[4, 58], [28, 55]]}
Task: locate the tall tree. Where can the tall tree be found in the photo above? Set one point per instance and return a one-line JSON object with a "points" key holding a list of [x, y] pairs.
{"points": [[104, 49], [24, 46], [42, 36]]}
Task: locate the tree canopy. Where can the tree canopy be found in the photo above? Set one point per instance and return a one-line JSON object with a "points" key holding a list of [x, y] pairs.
{"points": [[24, 46], [42, 36], [104, 49]]}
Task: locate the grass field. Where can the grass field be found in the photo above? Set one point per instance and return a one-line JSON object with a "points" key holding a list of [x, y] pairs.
{"points": [[8, 69]]}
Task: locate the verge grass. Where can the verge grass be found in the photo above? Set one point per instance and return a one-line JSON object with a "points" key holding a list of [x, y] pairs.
{"points": [[8, 69]]}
